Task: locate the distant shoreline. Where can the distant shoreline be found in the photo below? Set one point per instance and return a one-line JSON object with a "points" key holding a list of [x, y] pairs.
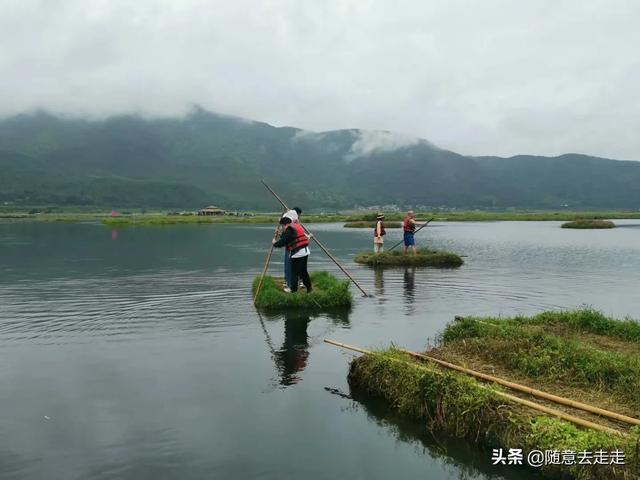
{"points": [[151, 219]]}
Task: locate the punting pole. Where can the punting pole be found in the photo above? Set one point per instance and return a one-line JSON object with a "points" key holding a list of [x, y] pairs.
{"points": [[266, 267], [421, 227], [533, 405], [322, 247]]}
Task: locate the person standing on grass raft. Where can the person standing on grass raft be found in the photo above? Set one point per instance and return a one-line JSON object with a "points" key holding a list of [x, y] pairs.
{"points": [[294, 216], [296, 242], [409, 228], [378, 234]]}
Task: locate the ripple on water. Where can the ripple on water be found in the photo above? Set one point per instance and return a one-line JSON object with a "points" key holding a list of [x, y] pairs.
{"points": [[61, 310]]}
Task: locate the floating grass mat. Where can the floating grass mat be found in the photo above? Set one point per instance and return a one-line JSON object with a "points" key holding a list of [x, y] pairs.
{"points": [[458, 405], [328, 293], [372, 225], [581, 352], [587, 223], [423, 258]]}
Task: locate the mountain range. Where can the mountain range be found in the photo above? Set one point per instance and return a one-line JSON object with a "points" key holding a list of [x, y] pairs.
{"points": [[206, 158]]}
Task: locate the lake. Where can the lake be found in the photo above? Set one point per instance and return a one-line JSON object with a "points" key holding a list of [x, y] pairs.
{"points": [[136, 353]]}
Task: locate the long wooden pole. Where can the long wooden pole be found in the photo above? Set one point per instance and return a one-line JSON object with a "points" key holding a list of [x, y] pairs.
{"points": [[531, 391], [536, 406], [322, 247], [266, 267], [421, 227]]}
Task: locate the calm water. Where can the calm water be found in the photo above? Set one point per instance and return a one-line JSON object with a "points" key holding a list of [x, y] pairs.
{"points": [[137, 354]]}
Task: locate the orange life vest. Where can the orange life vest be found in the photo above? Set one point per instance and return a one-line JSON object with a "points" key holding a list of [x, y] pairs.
{"points": [[407, 226], [301, 239]]}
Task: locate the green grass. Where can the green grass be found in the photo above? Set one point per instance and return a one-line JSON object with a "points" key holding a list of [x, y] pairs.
{"points": [[424, 258], [589, 224], [156, 217], [583, 319], [455, 404], [371, 225], [540, 353], [328, 293]]}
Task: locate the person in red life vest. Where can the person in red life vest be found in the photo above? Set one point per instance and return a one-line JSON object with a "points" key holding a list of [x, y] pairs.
{"points": [[378, 234], [409, 227], [294, 215], [296, 242]]}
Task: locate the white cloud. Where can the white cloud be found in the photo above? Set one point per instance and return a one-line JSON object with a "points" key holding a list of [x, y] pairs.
{"points": [[490, 77], [377, 141]]}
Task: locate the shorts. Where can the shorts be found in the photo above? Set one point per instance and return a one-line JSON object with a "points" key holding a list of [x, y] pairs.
{"points": [[408, 239]]}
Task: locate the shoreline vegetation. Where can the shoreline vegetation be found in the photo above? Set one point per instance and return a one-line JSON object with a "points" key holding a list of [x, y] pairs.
{"points": [[328, 293], [581, 355], [353, 220], [369, 224], [423, 258], [589, 224]]}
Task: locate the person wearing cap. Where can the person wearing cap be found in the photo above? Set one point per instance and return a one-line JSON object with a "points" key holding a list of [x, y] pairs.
{"points": [[294, 216], [296, 241], [378, 234]]}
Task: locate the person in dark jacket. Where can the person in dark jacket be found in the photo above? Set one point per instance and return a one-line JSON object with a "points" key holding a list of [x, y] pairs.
{"points": [[296, 241]]}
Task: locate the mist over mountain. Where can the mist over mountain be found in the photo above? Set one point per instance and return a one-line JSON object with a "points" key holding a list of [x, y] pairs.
{"points": [[207, 158]]}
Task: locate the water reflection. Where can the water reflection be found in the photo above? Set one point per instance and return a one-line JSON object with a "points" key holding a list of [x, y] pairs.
{"points": [[409, 287], [378, 281], [465, 460], [292, 357]]}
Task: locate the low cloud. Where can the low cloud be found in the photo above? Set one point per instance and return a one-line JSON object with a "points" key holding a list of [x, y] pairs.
{"points": [[368, 142]]}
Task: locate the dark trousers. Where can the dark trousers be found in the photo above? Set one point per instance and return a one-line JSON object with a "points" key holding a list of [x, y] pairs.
{"points": [[299, 270], [288, 274]]}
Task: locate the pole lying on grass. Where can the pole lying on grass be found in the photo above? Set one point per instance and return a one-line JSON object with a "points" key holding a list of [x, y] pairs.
{"points": [[515, 386], [421, 227], [322, 247], [266, 267]]}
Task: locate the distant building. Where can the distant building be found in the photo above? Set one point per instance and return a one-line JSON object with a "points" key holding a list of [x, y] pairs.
{"points": [[211, 210]]}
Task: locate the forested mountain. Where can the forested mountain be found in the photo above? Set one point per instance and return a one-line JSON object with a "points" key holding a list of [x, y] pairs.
{"points": [[206, 158]]}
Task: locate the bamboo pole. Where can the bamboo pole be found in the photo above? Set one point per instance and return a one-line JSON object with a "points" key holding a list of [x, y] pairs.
{"points": [[421, 227], [322, 247], [530, 404], [266, 267], [523, 388]]}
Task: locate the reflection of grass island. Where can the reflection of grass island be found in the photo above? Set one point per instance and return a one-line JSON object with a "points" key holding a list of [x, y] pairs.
{"points": [[586, 223], [600, 366], [328, 293], [424, 258], [368, 224]]}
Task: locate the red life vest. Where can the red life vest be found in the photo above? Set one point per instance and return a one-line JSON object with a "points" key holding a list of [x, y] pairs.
{"points": [[382, 230], [407, 226], [301, 239]]}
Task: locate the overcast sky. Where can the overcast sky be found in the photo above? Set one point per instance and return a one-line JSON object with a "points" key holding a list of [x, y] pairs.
{"points": [[478, 77]]}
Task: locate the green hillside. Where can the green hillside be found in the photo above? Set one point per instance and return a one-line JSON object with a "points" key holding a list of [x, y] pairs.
{"points": [[208, 158]]}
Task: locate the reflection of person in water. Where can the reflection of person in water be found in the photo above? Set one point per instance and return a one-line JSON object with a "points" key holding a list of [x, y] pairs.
{"points": [[409, 281], [291, 358], [378, 281]]}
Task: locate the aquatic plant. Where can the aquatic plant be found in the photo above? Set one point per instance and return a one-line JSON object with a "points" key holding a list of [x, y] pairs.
{"points": [[328, 293], [589, 223], [458, 405], [556, 346], [424, 258]]}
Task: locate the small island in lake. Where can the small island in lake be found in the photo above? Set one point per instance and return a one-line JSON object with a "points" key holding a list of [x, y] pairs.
{"points": [[424, 258], [371, 224], [595, 223], [599, 367], [328, 293]]}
